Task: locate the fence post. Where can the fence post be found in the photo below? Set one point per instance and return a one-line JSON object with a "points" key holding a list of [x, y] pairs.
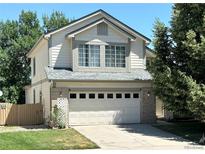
{"points": [[18, 114]]}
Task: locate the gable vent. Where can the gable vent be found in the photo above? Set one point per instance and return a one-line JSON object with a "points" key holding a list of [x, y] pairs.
{"points": [[102, 29]]}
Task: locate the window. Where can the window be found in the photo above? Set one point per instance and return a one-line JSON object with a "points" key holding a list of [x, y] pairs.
{"points": [[72, 96], [92, 96], [109, 96], [127, 95], [34, 96], [89, 55], [40, 96], [115, 56], [118, 95], [100, 96], [34, 66], [136, 95], [82, 96], [102, 29]]}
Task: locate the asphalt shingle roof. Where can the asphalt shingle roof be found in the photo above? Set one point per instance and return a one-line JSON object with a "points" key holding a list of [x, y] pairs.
{"points": [[64, 74]]}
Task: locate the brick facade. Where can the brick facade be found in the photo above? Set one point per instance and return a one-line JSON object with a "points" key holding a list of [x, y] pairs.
{"points": [[148, 106]]}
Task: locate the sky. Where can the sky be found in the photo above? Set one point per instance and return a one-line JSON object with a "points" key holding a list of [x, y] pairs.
{"points": [[140, 17]]}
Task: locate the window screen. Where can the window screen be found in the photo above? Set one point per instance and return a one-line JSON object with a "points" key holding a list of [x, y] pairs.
{"points": [[89, 55], [115, 56]]}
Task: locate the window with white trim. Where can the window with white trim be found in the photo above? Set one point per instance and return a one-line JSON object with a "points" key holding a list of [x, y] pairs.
{"points": [[34, 66], [115, 56], [89, 55], [34, 96], [82, 96], [135, 95], [73, 96]]}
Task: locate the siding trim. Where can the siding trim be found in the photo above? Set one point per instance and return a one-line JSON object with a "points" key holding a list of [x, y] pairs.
{"points": [[101, 20], [102, 67], [39, 82]]}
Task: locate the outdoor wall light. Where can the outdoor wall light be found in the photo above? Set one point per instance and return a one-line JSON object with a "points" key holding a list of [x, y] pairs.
{"points": [[60, 94], [148, 93]]}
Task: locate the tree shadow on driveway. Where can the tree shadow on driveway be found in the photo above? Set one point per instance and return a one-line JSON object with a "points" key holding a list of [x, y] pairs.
{"points": [[148, 130]]}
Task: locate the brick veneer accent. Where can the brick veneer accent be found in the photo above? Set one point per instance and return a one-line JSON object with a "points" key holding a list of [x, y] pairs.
{"points": [[148, 106]]}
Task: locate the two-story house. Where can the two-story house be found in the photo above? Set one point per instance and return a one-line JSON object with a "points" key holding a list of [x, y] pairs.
{"points": [[99, 64]]}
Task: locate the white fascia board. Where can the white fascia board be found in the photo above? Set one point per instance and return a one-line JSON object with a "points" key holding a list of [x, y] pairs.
{"points": [[101, 21], [126, 28], [72, 24], [84, 29]]}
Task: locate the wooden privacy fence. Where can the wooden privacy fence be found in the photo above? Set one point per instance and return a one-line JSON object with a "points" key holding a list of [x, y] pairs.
{"points": [[25, 114]]}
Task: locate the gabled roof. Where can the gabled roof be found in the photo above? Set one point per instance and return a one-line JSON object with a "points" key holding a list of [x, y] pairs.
{"points": [[150, 52], [101, 20], [68, 75], [95, 13], [47, 35]]}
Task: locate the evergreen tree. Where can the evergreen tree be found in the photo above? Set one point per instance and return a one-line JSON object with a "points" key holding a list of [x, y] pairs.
{"points": [[178, 69]]}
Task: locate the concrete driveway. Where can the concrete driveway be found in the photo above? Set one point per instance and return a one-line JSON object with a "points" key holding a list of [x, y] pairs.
{"points": [[135, 136]]}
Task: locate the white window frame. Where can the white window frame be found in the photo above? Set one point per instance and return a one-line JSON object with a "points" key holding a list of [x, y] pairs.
{"points": [[90, 62], [34, 66], [121, 65]]}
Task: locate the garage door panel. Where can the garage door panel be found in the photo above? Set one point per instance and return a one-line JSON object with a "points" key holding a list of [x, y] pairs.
{"points": [[101, 106], [103, 111]]}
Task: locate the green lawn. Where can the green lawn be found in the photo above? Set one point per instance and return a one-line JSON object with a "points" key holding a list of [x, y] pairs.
{"points": [[188, 130], [45, 140]]}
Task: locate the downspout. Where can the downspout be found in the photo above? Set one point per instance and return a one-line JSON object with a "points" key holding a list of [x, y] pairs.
{"points": [[51, 81]]}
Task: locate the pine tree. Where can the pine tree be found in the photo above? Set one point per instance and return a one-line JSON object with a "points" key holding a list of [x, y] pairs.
{"points": [[178, 69]]}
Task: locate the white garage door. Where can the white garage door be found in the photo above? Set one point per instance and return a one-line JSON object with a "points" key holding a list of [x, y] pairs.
{"points": [[91, 108]]}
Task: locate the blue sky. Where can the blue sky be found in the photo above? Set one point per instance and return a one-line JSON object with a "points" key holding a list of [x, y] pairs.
{"points": [[140, 17]]}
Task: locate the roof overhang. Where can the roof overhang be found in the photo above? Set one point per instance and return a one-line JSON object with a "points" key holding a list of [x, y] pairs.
{"points": [[68, 75], [102, 20], [107, 16], [35, 45], [150, 52]]}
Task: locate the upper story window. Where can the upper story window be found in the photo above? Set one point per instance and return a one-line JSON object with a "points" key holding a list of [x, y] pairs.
{"points": [[89, 55], [102, 29], [34, 66], [115, 56]]}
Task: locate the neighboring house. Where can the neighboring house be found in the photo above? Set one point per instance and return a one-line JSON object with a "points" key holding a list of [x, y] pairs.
{"points": [[99, 65]]}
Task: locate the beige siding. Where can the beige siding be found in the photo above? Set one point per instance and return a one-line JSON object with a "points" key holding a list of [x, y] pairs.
{"points": [[91, 34], [60, 49], [28, 95], [45, 89], [41, 57], [112, 84], [137, 54], [61, 46], [46, 99]]}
